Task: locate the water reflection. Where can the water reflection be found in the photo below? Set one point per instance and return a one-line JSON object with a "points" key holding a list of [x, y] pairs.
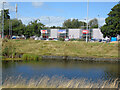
{"points": [[74, 69]]}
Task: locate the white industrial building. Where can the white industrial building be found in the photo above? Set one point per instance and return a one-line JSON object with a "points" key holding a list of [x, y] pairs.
{"points": [[71, 33], [53, 33], [74, 33], [97, 34]]}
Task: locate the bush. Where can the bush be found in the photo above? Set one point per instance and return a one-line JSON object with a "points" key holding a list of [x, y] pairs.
{"points": [[76, 39], [30, 57], [8, 51], [80, 40], [72, 39], [61, 39], [5, 40]]}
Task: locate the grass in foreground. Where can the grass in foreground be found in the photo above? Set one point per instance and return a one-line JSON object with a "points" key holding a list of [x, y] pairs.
{"points": [[58, 82], [61, 48]]}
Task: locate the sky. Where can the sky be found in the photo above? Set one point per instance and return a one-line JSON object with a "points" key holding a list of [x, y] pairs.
{"points": [[55, 13]]}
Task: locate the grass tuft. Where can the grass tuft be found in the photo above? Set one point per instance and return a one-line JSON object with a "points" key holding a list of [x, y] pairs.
{"points": [[57, 82]]}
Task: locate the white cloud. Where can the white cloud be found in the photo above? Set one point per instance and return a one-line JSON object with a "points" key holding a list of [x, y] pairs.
{"points": [[6, 6], [101, 21], [46, 20], [62, 0], [37, 4], [55, 21]]}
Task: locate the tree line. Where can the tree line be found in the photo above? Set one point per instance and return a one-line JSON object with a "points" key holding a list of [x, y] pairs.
{"points": [[110, 29], [34, 27]]}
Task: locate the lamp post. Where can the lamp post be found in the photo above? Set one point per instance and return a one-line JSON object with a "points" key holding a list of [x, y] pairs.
{"points": [[87, 18], [84, 23], [49, 20], [3, 20], [98, 21]]}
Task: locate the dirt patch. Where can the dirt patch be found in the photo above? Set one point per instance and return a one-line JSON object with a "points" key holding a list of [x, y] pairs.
{"points": [[114, 42]]}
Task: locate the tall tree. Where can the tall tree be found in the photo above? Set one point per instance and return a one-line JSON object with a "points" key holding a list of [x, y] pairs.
{"points": [[33, 28], [6, 18], [67, 23], [17, 27], [93, 23], [112, 26], [75, 23]]}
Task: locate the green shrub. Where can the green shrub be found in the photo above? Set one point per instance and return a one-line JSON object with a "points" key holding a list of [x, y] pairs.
{"points": [[5, 40], [30, 57], [72, 39], [61, 39], [9, 51], [80, 40]]}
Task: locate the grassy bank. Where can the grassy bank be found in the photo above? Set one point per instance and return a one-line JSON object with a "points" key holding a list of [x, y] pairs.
{"points": [[61, 48], [58, 82]]}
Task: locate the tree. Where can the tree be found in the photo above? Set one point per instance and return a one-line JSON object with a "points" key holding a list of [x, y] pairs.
{"points": [[112, 26], [6, 14], [17, 27], [6, 18], [33, 28], [67, 23], [75, 23], [93, 23]]}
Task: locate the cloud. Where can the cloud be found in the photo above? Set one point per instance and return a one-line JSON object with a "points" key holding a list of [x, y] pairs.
{"points": [[6, 6], [101, 20], [62, 0], [46, 20], [37, 4], [54, 20]]}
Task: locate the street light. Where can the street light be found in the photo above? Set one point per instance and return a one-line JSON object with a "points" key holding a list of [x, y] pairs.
{"points": [[49, 20], [98, 21], [84, 23], [87, 18], [3, 20]]}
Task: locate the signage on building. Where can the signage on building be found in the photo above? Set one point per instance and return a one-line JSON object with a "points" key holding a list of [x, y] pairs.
{"points": [[43, 31], [85, 31], [61, 31]]}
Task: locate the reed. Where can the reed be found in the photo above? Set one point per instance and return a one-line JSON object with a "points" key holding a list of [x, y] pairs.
{"points": [[57, 82], [30, 57]]}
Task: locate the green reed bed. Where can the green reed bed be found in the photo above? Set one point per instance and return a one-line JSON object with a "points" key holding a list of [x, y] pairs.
{"points": [[30, 57], [58, 82]]}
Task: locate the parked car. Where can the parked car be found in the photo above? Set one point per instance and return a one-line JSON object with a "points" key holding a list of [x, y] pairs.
{"points": [[55, 39], [43, 38], [67, 39], [104, 40], [92, 40], [100, 40], [47, 39]]}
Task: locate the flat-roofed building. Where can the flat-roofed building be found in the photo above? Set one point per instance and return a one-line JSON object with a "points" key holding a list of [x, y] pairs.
{"points": [[74, 33], [53, 33], [97, 34], [62, 33], [45, 33]]}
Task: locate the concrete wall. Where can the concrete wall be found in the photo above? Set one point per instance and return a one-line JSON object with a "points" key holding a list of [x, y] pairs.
{"points": [[53, 33], [97, 34], [74, 33]]}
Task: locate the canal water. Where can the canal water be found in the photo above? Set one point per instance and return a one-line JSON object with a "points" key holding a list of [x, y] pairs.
{"points": [[74, 69]]}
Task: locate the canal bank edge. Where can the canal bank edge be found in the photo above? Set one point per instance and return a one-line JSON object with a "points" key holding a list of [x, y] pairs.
{"points": [[65, 58]]}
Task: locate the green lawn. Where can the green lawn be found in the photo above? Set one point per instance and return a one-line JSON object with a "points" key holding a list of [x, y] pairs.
{"points": [[65, 48]]}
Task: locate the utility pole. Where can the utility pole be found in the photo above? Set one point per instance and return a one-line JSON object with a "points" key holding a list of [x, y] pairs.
{"points": [[9, 27], [16, 10], [98, 21], [3, 20], [87, 19]]}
